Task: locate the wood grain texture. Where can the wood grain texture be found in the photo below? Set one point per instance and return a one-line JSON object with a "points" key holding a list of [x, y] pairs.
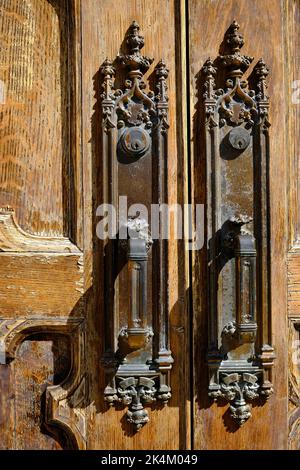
{"points": [[6, 407], [59, 405], [40, 362], [212, 426], [34, 143]]}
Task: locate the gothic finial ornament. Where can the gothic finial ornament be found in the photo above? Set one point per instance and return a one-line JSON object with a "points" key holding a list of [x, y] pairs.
{"points": [[240, 354], [261, 71], [233, 39], [134, 41], [137, 359], [134, 60], [235, 65]]}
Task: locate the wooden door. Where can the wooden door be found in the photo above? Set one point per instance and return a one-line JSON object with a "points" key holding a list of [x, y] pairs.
{"points": [[65, 305]]}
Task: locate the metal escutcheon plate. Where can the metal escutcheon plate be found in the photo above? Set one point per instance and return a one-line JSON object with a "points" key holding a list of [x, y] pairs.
{"points": [[239, 138], [135, 142]]}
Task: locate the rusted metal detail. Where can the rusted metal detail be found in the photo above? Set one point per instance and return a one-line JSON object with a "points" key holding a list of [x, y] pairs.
{"points": [[239, 138], [134, 142], [238, 221], [135, 154], [293, 379]]}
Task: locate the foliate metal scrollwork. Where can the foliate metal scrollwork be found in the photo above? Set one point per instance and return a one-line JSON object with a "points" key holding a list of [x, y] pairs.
{"points": [[237, 388], [240, 355], [137, 358]]}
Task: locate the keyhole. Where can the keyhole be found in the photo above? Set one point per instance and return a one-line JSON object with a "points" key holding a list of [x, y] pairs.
{"points": [[239, 138], [136, 145]]}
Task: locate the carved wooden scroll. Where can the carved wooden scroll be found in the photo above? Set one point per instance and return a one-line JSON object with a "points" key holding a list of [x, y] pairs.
{"points": [[137, 357], [240, 356]]}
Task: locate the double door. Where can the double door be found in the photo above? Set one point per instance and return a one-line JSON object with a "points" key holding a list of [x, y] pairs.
{"points": [[171, 339]]}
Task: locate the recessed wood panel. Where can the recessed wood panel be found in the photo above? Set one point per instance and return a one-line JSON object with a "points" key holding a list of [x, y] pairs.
{"points": [[40, 362], [34, 109]]}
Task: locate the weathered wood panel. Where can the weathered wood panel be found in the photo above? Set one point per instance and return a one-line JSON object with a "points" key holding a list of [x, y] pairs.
{"points": [[40, 285], [40, 362], [6, 407], [34, 129]]}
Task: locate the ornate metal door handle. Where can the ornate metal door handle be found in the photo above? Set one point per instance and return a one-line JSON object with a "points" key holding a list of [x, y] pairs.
{"points": [[240, 355], [137, 333], [137, 359]]}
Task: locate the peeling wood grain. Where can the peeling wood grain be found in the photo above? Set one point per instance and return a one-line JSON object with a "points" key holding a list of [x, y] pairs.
{"points": [[34, 129], [40, 284], [14, 239]]}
